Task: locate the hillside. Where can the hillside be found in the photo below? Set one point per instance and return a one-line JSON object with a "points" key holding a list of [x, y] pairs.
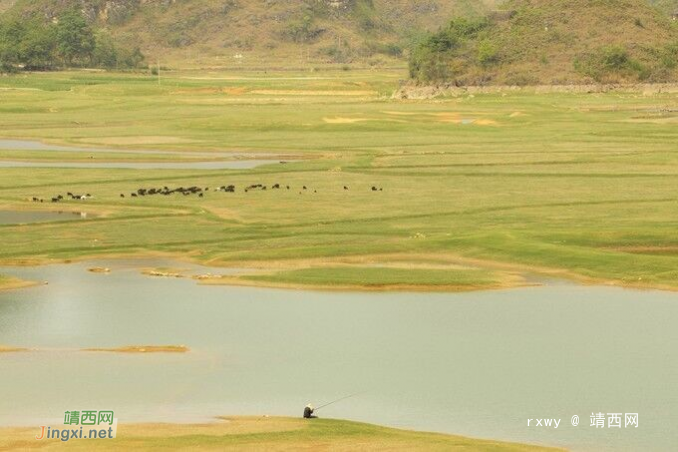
{"points": [[253, 32], [554, 42], [5, 5], [667, 6]]}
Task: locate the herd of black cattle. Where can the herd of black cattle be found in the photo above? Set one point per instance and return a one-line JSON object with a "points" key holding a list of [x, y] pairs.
{"points": [[188, 191], [59, 198]]}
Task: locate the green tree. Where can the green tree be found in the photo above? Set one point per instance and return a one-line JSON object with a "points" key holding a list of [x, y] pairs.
{"points": [[105, 53], [74, 38], [11, 34], [131, 58], [487, 53], [37, 48], [443, 55]]}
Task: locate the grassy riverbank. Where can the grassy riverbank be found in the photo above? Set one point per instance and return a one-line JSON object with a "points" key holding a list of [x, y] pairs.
{"points": [[265, 433], [371, 278], [580, 184]]}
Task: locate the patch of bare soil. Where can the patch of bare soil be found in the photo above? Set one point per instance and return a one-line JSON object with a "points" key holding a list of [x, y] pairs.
{"points": [[142, 349]]}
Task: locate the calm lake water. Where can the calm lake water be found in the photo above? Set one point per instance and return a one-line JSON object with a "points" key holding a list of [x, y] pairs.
{"points": [[477, 364], [244, 161], [26, 216]]}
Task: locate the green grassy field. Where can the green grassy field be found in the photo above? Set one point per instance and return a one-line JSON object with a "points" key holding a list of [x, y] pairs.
{"points": [[265, 433], [380, 278], [476, 186]]}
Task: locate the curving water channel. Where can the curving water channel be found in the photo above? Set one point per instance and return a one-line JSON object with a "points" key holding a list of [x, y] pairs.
{"points": [[236, 160], [34, 216]]}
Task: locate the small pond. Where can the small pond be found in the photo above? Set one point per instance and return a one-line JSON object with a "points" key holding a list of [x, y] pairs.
{"points": [[28, 216], [236, 161]]}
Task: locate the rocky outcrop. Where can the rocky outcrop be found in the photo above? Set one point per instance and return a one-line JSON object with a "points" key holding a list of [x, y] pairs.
{"points": [[423, 92], [110, 12]]}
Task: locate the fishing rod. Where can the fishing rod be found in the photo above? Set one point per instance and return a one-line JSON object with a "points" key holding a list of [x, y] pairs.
{"points": [[339, 400]]}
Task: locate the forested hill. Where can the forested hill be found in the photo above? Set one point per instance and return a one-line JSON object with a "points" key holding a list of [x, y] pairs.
{"points": [[554, 42], [223, 32]]}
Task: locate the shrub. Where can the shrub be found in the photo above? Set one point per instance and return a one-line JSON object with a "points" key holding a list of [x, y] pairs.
{"points": [[302, 30], [131, 58], [390, 49], [610, 64], [487, 53], [442, 55], [669, 55], [521, 79], [364, 14], [336, 53]]}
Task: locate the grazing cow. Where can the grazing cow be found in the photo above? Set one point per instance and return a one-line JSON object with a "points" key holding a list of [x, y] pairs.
{"points": [[121, 195], [374, 188], [304, 187], [345, 187], [134, 195]]}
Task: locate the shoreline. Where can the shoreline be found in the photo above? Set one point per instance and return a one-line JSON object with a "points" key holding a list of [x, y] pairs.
{"points": [[521, 270], [127, 349], [274, 433], [368, 288]]}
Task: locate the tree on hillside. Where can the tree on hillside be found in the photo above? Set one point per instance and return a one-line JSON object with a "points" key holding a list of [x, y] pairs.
{"points": [[75, 38], [104, 54], [131, 58], [33, 43], [441, 55], [37, 48], [11, 34]]}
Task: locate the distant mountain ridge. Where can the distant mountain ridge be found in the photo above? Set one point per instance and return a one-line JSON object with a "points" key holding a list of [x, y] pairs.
{"points": [[333, 31], [305, 32]]}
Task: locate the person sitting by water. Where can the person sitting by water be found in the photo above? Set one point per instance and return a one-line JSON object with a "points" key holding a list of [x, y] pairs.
{"points": [[308, 412]]}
